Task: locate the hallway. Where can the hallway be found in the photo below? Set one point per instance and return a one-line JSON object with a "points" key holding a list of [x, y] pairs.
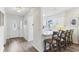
{"points": [[18, 45]]}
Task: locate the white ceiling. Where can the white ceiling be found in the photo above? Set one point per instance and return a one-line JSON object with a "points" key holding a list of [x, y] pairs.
{"points": [[13, 10], [46, 10]]}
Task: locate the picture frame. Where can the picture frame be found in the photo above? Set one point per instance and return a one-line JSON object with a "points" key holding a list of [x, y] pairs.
{"points": [[73, 22]]}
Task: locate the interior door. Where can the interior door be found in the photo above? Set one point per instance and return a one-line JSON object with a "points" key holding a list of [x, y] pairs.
{"points": [[14, 26], [30, 28], [1, 31]]}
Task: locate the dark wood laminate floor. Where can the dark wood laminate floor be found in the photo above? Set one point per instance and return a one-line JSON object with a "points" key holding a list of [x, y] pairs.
{"points": [[18, 45], [73, 48]]}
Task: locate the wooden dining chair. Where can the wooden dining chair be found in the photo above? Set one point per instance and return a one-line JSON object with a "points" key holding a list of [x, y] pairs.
{"points": [[68, 38], [47, 45], [55, 41], [62, 41], [51, 44], [71, 37]]}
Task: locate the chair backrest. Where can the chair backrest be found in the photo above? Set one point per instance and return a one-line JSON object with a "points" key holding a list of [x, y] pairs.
{"points": [[71, 34], [62, 36], [55, 35], [68, 35], [60, 31]]}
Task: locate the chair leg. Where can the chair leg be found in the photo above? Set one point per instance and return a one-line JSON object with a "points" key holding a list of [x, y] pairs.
{"points": [[44, 46], [50, 47]]}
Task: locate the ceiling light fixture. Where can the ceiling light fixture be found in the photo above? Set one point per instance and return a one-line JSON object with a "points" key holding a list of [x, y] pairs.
{"points": [[19, 9]]}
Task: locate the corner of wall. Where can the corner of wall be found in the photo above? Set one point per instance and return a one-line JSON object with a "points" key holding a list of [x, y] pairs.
{"points": [[39, 50]]}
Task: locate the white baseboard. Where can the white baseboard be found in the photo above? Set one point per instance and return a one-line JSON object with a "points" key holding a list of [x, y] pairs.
{"points": [[36, 47], [75, 42]]}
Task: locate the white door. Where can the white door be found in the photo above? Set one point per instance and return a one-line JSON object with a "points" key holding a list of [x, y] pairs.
{"points": [[1, 38], [30, 28], [14, 25], [1, 31]]}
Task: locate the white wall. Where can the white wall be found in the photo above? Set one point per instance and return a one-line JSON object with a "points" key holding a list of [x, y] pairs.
{"points": [[37, 41], [51, 11], [14, 28], [73, 13], [57, 20]]}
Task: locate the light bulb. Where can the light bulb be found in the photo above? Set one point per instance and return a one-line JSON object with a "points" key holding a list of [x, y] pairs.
{"points": [[18, 10]]}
